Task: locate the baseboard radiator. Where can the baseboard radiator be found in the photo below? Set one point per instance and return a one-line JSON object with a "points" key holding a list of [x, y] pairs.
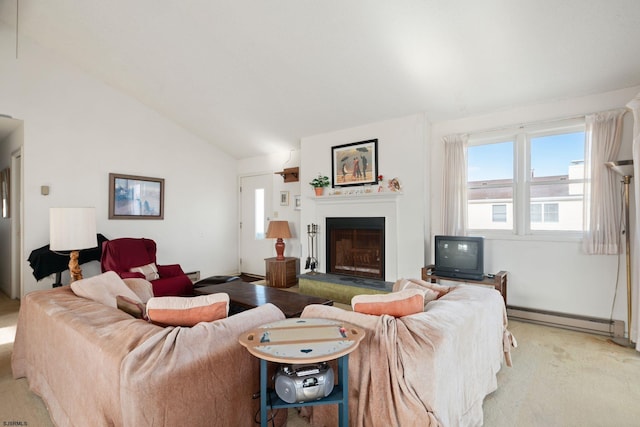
{"points": [[594, 325]]}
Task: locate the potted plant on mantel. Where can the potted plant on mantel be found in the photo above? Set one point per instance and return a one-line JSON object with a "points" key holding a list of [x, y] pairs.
{"points": [[318, 183]]}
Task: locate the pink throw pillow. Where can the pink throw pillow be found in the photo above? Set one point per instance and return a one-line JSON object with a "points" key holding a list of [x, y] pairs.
{"points": [[103, 288], [188, 311], [140, 287], [397, 304]]}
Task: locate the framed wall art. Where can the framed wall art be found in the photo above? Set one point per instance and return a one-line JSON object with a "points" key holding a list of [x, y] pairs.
{"points": [[135, 197], [355, 163], [284, 198]]}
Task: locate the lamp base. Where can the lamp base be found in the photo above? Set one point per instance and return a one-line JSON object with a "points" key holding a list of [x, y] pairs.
{"points": [[75, 272], [622, 342], [279, 249]]}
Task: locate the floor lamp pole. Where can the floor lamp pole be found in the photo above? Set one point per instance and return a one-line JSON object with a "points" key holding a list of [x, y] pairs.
{"points": [[626, 342]]}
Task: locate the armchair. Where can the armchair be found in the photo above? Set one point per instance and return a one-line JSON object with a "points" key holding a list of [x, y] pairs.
{"points": [[124, 254]]}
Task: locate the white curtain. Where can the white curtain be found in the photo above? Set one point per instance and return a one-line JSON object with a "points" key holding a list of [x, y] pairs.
{"points": [[602, 191], [634, 106], [454, 185]]}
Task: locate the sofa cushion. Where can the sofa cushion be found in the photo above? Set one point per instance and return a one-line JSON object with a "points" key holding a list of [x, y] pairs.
{"points": [[440, 290], [188, 311], [140, 287], [132, 307], [430, 293], [397, 304], [150, 271], [103, 288]]}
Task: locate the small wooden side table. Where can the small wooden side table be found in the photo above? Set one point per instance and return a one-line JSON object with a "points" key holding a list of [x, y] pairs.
{"points": [[194, 276], [301, 341], [281, 273]]}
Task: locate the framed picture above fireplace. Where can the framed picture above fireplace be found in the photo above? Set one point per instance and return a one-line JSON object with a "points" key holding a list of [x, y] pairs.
{"points": [[355, 163]]}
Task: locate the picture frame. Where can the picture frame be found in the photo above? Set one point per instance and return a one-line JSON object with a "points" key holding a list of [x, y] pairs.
{"points": [[284, 198], [349, 160], [135, 197], [5, 192], [297, 202]]}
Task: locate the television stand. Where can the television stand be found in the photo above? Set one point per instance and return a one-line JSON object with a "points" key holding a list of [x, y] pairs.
{"points": [[498, 281]]}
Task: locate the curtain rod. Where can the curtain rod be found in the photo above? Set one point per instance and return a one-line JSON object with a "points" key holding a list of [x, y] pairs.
{"points": [[522, 125]]}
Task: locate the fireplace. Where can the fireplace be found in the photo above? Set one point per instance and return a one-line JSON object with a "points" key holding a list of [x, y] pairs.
{"points": [[355, 246]]}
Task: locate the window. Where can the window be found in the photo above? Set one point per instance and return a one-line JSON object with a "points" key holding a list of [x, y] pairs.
{"points": [[499, 213], [550, 212], [527, 180], [490, 184], [259, 214]]}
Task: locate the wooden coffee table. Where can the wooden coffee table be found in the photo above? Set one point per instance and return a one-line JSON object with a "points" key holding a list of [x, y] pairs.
{"points": [[243, 296]]}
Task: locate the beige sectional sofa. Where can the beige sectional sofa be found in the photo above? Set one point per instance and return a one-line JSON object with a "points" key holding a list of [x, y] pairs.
{"points": [[94, 365], [433, 368]]}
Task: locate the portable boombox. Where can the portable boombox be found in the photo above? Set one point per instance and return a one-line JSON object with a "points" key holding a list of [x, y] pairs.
{"points": [[302, 383]]}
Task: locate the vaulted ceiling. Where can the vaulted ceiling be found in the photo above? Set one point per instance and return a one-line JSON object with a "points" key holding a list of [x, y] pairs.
{"points": [[254, 76]]}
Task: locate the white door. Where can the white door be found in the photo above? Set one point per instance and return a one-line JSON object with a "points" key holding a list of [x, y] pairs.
{"points": [[255, 206]]}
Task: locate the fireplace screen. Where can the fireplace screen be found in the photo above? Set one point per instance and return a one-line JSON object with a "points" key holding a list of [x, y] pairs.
{"points": [[355, 246]]}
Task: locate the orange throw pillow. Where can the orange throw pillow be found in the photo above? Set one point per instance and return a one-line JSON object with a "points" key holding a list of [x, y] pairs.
{"points": [[187, 311], [397, 304]]}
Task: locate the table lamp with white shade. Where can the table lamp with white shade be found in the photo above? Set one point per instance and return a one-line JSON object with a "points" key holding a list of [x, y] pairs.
{"points": [[72, 229]]}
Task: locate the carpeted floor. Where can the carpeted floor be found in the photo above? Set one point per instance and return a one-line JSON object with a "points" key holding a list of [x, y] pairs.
{"points": [[560, 378], [17, 403]]}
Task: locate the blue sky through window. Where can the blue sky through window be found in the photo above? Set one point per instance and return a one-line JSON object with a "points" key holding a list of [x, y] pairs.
{"points": [[490, 161], [550, 156]]}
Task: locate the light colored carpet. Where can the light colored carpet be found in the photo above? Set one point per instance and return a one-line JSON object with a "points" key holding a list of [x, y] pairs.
{"points": [[560, 378], [17, 403], [564, 378]]}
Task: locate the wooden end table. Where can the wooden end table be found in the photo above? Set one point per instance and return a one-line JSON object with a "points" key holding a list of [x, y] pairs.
{"points": [[300, 341], [281, 273]]}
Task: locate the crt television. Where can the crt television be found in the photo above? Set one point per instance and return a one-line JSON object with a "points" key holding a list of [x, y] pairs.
{"points": [[460, 257]]}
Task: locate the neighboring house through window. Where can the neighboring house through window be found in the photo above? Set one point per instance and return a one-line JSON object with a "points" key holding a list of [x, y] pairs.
{"points": [[527, 180]]}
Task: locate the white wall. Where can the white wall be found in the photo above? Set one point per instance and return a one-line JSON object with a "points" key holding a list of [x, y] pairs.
{"points": [[78, 129], [401, 154], [549, 275]]}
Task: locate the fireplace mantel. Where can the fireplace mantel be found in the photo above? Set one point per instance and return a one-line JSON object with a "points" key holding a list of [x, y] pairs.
{"points": [[358, 198], [384, 204]]}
